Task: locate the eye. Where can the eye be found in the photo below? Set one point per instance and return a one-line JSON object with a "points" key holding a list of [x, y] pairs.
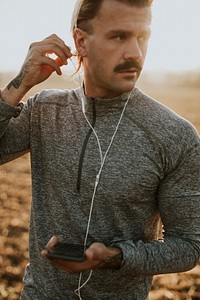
{"points": [[119, 37], [143, 39]]}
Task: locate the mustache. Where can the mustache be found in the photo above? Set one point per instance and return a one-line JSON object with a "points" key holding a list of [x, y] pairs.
{"points": [[129, 64]]}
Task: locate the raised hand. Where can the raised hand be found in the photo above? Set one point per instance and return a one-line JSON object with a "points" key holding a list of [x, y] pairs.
{"points": [[37, 67]]}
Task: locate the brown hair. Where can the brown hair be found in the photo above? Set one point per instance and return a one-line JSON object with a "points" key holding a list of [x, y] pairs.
{"points": [[86, 10]]}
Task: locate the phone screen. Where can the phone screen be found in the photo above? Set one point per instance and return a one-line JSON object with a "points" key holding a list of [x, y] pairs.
{"points": [[66, 251]]}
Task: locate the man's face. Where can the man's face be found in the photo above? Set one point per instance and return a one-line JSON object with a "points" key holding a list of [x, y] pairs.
{"points": [[116, 49]]}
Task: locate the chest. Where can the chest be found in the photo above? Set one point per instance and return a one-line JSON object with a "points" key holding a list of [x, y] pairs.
{"points": [[69, 149]]}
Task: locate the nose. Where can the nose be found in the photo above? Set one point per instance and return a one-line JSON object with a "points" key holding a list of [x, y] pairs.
{"points": [[133, 51]]}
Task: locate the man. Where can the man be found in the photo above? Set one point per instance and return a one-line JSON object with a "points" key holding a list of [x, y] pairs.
{"points": [[108, 162]]}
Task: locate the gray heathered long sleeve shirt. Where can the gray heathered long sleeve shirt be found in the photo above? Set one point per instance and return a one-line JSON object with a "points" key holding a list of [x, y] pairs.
{"points": [[152, 172]]}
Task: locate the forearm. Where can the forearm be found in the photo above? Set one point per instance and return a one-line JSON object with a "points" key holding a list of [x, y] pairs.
{"points": [[14, 130], [14, 92], [170, 256]]}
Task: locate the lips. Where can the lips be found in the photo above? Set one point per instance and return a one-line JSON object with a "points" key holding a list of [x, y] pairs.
{"points": [[132, 73], [128, 71]]}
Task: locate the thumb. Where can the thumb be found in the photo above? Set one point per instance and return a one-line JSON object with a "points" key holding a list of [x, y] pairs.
{"points": [[96, 251]]}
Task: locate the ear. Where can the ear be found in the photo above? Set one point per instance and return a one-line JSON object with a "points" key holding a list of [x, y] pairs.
{"points": [[80, 41]]}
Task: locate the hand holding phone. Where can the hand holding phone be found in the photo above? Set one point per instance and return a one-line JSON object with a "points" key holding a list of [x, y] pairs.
{"points": [[75, 258]]}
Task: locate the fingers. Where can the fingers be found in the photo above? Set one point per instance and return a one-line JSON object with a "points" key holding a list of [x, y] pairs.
{"points": [[53, 40], [97, 252], [40, 52], [52, 242], [53, 64]]}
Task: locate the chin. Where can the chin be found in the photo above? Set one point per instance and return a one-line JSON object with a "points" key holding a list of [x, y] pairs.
{"points": [[127, 88], [128, 84]]}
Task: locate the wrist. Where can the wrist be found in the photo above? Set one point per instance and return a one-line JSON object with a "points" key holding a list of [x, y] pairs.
{"points": [[13, 96], [113, 260]]}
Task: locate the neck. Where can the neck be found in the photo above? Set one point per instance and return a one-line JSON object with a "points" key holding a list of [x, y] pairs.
{"points": [[96, 92]]}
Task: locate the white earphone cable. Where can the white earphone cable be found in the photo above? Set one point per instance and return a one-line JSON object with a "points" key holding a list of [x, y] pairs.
{"points": [[103, 158]]}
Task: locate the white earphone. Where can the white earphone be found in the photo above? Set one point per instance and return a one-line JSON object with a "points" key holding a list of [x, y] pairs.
{"points": [[103, 158]]}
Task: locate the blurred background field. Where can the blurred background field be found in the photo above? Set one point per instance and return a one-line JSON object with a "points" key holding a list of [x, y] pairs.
{"points": [[179, 91]]}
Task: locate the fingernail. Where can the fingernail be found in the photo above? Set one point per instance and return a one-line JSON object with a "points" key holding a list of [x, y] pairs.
{"points": [[43, 253]]}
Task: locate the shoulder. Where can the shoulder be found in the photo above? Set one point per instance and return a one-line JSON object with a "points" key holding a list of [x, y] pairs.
{"points": [[57, 97], [54, 97], [155, 111], [156, 115], [160, 120]]}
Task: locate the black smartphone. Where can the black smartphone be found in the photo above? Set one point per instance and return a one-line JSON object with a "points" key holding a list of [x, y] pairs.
{"points": [[67, 251]]}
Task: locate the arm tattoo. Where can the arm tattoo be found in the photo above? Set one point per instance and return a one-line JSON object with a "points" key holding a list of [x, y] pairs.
{"points": [[18, 80], [112, 262]]}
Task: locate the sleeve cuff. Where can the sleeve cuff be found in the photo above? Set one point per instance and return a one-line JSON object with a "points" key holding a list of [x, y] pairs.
{"points": [[10, 111]]}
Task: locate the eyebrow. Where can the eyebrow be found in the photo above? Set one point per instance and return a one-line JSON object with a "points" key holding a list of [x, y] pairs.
{"points": [[146, 32]]}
